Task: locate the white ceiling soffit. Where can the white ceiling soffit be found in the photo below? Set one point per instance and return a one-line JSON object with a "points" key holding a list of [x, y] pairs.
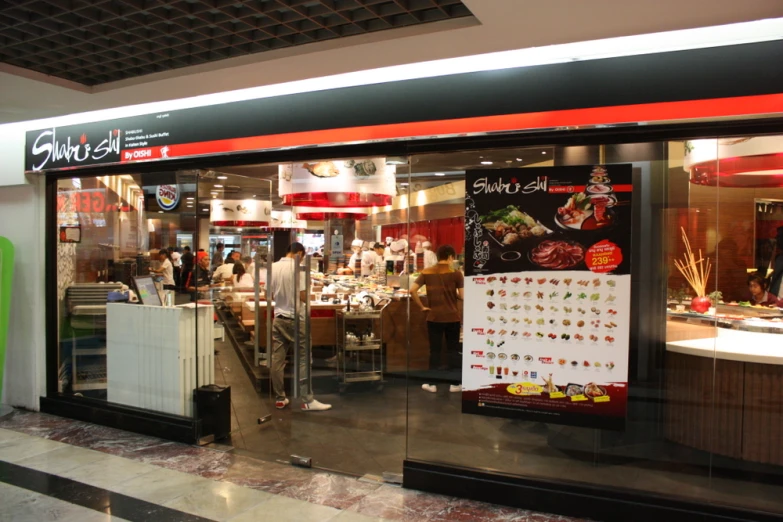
{"points": [[537, 29]]}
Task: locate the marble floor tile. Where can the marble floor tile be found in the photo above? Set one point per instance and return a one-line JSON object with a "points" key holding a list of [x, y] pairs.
{"points": [[265, 476], [282, 509], [395, 503], [159, 486], [350, 516], [107, 472], [62, 459], [8, 435], [218, 500], [19, 505], [331, 490], [33, 423], [18, 449]]}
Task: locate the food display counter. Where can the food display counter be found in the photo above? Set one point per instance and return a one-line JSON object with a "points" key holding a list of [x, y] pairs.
{"points": [[723, 376]]}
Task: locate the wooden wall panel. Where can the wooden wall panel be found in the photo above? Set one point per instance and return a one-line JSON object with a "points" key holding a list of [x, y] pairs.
{"points": [[703, 412], [763, 421]]}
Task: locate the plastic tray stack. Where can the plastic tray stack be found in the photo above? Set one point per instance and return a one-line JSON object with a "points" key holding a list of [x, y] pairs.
{"points": [[89, 299]]}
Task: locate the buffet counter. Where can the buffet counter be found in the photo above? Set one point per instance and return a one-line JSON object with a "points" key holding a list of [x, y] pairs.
{"points": [[395, 326], [722, 377]]}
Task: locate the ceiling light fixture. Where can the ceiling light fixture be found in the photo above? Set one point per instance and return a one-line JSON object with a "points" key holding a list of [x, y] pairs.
{"points": [[160, 212], [440, 174], [543, 152], [190, 198], [486, 163], [519, 159], [222, 177]]}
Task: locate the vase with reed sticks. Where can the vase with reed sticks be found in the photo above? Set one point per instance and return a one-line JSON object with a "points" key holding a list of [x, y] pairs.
{"points": [[697, 273]]}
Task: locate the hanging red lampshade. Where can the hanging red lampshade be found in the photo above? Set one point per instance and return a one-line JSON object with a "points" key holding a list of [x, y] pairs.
{"points": [[736, 162], [322, 214], [240, 213], [354, 183]]}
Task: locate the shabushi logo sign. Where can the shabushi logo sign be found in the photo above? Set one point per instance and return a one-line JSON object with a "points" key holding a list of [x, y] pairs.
{"points": [[513, 186], [47, 149], [167, 196]]}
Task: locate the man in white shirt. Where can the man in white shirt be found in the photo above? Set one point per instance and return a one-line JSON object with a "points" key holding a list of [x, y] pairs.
{"points": [[224, 271], [281, 290], [430, 257], [372, 261]]}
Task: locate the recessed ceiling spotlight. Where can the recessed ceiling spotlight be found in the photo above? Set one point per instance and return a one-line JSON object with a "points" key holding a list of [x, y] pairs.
{"points": [[519, 159], [543, 152], [440, 174], [486, 163], [160, 212], [403, 184], [190, 198], [218, 186], [222, 177], [254, 195]]}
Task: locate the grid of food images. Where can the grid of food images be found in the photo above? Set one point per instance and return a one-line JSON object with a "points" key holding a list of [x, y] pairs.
{"points": [[547, 300]]}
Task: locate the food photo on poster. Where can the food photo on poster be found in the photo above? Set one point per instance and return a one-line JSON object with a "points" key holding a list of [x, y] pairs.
{"points": [[547, 294]]}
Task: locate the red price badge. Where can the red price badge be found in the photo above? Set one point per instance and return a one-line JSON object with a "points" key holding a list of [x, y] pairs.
{"points": [[603, 257]]}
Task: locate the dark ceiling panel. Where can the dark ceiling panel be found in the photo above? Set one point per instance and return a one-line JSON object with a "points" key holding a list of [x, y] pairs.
{"points": [[98, 41]]}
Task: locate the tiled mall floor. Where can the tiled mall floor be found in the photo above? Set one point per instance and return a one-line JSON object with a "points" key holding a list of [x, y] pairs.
{"points": [[59, 469]]}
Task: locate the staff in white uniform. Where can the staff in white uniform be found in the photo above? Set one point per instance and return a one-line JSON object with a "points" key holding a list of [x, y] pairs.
{"points": [[430, 257], [356, 257]]}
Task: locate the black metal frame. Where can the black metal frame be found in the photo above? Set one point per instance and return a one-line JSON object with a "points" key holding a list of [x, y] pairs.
{"points": [[479, 485], [566, 498]]}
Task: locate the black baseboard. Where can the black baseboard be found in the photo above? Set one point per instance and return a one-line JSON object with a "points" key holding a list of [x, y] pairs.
{"points": [[169, 427], [567, 499]]}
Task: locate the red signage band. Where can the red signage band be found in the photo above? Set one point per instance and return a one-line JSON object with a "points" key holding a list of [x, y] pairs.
{"points": [[741, 106], [337, 200], [240, 223], [323, 216]]}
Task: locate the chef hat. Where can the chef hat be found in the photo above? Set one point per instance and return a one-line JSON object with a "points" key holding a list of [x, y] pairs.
{"points": [[357, 243], [426, 244], [399, 245], [389, 240]]}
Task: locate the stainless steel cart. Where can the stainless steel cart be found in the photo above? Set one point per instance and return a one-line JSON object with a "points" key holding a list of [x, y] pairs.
{"points": [[360, 345]]}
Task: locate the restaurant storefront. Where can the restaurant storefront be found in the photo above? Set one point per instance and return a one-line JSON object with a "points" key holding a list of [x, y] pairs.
{"points": [[615, 358]]}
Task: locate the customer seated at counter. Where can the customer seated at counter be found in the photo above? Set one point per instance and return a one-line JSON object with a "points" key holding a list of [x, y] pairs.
{"points": [[225, 271], [241, 279], [200, 282], [759, 294]]}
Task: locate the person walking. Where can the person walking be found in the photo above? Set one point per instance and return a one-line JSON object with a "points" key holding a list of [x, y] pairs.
{"points": [[176, 260], [165, 271], [445, 292], [188, 261], [217, 257], [281, 290]]}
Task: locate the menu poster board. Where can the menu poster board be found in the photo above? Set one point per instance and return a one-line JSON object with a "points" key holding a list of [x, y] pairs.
{"points": [[547, 294]]}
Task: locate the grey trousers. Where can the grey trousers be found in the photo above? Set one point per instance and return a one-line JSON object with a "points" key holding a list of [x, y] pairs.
{"points": [[282, 341]]}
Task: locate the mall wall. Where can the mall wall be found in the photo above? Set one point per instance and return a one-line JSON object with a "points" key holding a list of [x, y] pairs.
{"points": [[22, 221]]}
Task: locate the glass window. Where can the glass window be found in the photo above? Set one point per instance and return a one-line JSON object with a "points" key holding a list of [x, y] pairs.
{"points": [[125, 252], [700, 411]]}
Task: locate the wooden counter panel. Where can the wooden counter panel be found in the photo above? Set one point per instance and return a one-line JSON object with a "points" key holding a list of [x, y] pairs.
{"points": [[395, 335], [763, 420], [682, 331], [705, 411]]}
